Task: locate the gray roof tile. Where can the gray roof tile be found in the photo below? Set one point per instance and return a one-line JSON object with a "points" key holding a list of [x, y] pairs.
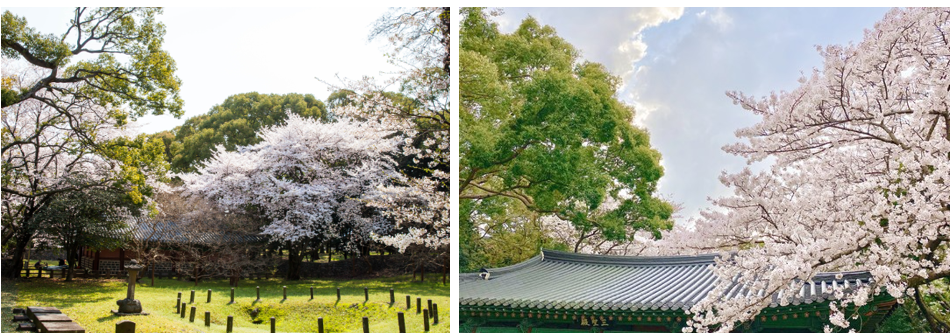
{"points": [[562, 280]]}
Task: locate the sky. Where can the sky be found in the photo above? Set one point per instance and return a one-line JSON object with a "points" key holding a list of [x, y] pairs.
{"points": [[221, 52], [677, 64]]}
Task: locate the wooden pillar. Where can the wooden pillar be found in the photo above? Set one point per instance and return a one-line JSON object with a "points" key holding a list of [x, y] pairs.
{"points": [[96, 261], [122, 259]]}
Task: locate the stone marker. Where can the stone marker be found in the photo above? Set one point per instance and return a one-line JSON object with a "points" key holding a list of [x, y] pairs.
{"points": [[191, 298], [312, 293], [272, 324], [285, 289], [320, 325], [191, 315], [366, 295], [125, 327], [232, 295], [209, 296], [208, 319], [182, 311], [338, 293], [436, 314], [366, 323], [408, 302], [418, 304], [429, 305], [231, 321], [258, 293], [392, 300], [130, 305]]}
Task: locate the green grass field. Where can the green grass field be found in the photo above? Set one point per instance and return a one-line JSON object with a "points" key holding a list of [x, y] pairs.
{"points": [[88, 302]]}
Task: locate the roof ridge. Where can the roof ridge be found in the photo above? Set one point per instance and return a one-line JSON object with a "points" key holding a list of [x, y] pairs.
{"points": [[598, 259]]}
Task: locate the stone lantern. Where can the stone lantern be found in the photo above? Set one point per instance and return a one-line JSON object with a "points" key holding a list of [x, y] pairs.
{"points": [[129, 305]]}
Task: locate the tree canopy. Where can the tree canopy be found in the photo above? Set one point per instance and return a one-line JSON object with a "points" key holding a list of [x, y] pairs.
{"points": [[542, 127], [65, 100], [305, 178], [235, 122], [130, 68], [859, 180], [417, 201]]}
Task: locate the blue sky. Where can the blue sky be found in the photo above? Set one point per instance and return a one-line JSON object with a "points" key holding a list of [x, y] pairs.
{"points": [[677, 65], [225, 51]]}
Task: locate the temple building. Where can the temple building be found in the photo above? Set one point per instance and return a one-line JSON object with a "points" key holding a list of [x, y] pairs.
{"points": [[165, 234], [569, 292]]}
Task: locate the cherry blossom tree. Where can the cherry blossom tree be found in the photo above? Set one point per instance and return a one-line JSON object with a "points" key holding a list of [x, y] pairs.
{"points": [[418, 200], [305, 179], [859, 178]]}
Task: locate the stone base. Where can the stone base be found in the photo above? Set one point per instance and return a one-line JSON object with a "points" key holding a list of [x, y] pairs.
{"points": [[117, 313], [127, 306]]}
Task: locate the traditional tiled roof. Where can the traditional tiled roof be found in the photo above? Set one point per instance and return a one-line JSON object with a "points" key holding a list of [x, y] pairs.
{"points": [[571, 281], [174, 232]]}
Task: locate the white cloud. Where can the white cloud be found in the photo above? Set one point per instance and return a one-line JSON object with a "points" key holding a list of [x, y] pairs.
{"points": [[719, 18], [610, 36]]}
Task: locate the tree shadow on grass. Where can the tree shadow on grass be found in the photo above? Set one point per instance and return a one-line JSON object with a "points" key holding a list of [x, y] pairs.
{"points": [[62, 294]]}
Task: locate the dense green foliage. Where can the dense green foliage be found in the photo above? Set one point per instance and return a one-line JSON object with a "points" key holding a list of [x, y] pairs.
{"points": [[83, 217], [233, 123], [543, 128], [89, 303], [142, 81], [909, 317]]}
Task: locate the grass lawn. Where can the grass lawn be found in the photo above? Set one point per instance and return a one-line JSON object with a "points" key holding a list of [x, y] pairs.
{"points": [[88, 302]]}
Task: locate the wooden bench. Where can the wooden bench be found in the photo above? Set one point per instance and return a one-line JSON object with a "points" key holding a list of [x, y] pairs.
{"points": [[50, 319]]}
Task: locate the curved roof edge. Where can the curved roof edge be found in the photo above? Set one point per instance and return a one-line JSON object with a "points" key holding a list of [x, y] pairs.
{"points": [[598, 259]]}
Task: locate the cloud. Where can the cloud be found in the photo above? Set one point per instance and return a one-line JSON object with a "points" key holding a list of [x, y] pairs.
{"points": [[719, 19], [611, 36]]}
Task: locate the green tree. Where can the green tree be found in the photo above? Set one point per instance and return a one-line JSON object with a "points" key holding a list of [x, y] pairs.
{"points": [[130, 68], [340, 98], [89, 216], [543, 128], [235, 122]]}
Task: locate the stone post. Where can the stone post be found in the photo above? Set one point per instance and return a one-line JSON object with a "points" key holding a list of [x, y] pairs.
{"points": [[401, 322], [426, 320], [130, 305]]}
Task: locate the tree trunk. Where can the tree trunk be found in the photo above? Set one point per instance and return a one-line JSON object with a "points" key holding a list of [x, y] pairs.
{"points": [[22, 242], [153, 273], [71, 261], [295, 256]]}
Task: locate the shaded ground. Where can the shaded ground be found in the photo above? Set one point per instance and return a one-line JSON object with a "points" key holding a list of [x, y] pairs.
{"points": [[89, 303], [9, 300], [373, 266]]}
